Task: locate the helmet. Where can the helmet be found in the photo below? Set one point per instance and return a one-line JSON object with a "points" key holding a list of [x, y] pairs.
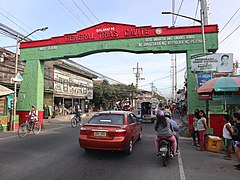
{"points": [[167, 114], [159, 113]]}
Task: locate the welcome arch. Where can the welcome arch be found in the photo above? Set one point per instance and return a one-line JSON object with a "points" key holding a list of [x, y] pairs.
{"points": [[107, 37]]}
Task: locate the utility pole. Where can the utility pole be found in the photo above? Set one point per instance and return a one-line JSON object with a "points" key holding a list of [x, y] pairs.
{"points": [[137, 71], [205, 21], [152, 89], [175, 73], [172, 75], [205, 11], [173, 61]]}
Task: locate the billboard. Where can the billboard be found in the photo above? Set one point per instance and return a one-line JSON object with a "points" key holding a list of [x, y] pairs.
{"points": [[216, 62]]}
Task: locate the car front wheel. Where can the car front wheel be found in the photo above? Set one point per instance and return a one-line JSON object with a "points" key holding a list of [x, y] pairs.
{"points": [[140, 135]]}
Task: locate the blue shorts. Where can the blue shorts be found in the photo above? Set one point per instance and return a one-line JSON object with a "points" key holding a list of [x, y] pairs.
{"points": [[236, 144]]}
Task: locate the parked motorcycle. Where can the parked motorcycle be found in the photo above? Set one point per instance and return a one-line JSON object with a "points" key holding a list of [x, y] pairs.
{"points": [[165, 150]]}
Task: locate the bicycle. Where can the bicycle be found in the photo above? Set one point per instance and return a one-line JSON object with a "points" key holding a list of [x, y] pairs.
{"points": [[76, 119], [26, 127]]}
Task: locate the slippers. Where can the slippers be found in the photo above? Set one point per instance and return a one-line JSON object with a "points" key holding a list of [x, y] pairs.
{"points": [[227, 158]]}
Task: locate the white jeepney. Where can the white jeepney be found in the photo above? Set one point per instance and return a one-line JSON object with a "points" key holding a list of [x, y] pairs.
{"points": [[146, 109]]}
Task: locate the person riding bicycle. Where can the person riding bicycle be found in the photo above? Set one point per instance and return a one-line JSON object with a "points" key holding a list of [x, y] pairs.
{"points": [[77, 110], [33, 115], [163, 128]]}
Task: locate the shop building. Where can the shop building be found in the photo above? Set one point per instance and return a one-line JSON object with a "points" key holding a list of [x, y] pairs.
{"points": [[65, 84]]}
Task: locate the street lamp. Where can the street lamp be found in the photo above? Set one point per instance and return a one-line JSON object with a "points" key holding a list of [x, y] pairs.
{"points": [[16, 71], [197, 20], [203, 39]]}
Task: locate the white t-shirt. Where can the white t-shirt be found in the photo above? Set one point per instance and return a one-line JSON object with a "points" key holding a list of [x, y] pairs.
{"points": [[226, 133]]}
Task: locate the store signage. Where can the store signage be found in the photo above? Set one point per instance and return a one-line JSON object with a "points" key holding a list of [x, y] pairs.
{"points": [[70, 84], [205, 97], [112, 31], [216, 62], [203, 77]]}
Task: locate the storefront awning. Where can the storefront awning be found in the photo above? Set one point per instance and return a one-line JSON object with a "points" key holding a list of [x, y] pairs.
{"points": [[5, 91]]}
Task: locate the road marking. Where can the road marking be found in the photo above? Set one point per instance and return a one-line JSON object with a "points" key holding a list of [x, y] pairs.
{"points": [[181, 170]]}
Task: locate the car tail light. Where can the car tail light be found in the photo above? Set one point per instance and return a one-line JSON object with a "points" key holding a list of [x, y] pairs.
{"points": [[120, 133], [83, 131]]}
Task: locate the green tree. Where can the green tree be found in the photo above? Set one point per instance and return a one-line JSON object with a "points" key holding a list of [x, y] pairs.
{"points": [[105, 94]]}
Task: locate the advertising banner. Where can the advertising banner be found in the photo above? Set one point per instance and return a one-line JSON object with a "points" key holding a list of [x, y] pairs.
{"points": [[203, 77], [216, 62]]}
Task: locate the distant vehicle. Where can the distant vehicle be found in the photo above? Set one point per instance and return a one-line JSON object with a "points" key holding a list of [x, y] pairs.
{"points": [[127, 108], [111, 130], [146, 109]]}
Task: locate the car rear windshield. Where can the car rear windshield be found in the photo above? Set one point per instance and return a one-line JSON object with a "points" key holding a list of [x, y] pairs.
{"points": [[107, 119]]}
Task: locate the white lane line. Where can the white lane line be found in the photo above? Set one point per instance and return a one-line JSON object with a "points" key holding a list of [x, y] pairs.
{"points": [[181, 170]]}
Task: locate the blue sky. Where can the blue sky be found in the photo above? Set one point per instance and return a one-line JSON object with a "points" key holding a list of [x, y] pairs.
{"points": [[28, 15]]}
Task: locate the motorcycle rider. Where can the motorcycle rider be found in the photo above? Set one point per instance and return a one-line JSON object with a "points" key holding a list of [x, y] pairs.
{"points": [[175, 127], [163, 128]]}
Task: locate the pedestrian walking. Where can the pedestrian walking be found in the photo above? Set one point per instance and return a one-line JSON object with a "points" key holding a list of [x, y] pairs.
{"points": [[194, 128], [202, 126], [227, 136], [236, 137]]}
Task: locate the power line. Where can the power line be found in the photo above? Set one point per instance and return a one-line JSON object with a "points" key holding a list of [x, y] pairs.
{"points": [[13, 22], [69, 10], [21, 22], [90, 11], [178, 12], [67, 14], [229, 20], [11, 33], [230, 34], [195, 15], [82, 12]]}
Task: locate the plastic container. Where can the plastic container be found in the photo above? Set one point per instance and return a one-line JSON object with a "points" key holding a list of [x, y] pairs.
{"points": [[213, 143]]}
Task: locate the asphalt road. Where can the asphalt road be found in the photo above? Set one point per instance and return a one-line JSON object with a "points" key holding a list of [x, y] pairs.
{"points": [[55, 154]]}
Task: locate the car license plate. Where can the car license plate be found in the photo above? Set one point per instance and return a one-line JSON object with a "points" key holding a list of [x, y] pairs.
{"points": [[102, 134]]}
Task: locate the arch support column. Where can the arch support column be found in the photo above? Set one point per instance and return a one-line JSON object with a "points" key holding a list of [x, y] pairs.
{"points": [[31, 89]]}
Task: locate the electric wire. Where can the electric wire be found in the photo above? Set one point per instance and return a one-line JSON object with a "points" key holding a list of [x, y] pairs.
{"points": [[82, 12], [229, 20], [21, 22], [230, 34], [90, 11], [174, 22], [13, 22], [67, 14], [71, 12], [197, 8]]}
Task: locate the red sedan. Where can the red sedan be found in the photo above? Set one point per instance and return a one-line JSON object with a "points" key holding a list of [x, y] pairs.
{"points": [[111, 130]]}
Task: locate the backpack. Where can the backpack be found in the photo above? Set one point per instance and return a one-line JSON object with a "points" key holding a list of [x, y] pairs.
{"points": [[235, 134]]}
